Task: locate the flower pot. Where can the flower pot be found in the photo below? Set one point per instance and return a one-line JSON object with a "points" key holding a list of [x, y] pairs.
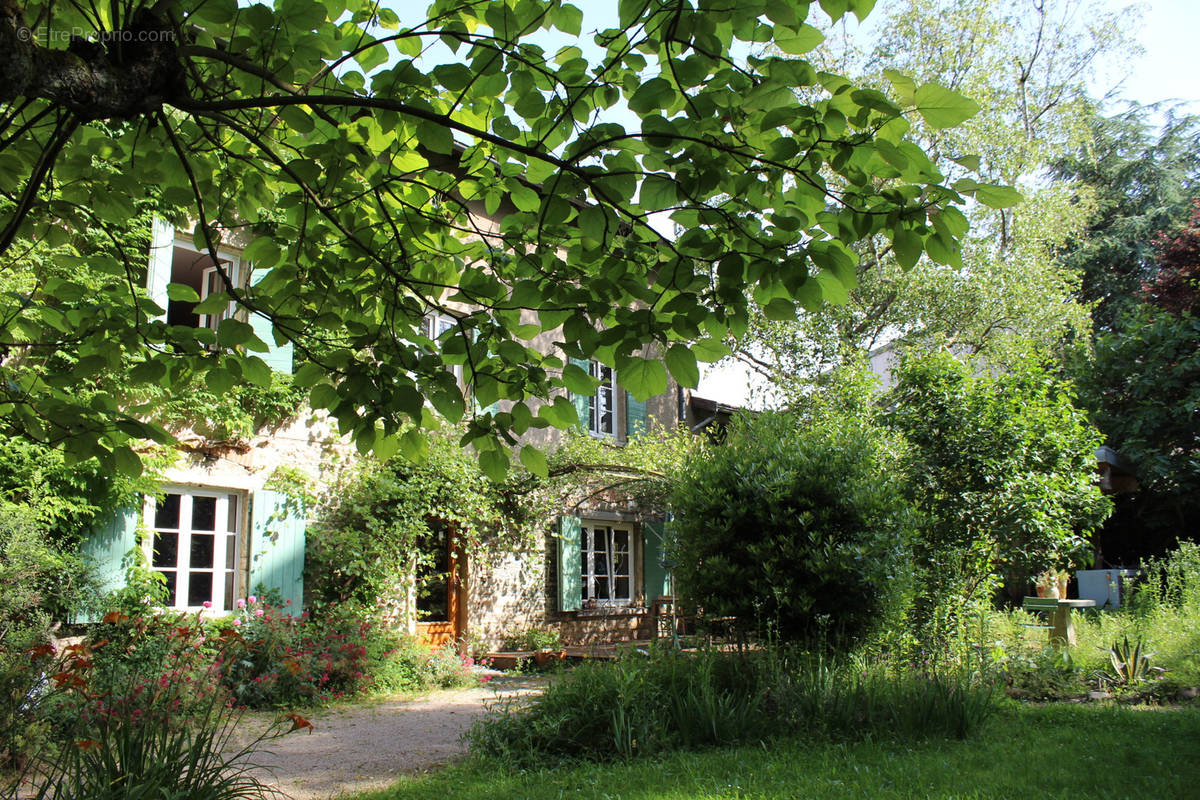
{"points": [[544, 657]]}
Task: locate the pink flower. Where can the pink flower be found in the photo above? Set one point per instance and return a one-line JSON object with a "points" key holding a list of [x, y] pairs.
{"points": [[258, 612], [207, 604], [241, 603], [252, 599], [237, 622]]}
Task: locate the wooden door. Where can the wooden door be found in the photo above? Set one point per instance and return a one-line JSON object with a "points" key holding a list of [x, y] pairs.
{"points": [[442, 593]]}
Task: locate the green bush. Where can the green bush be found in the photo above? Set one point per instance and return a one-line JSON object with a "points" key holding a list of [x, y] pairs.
{"points": [[796, 528], [404, 664], [37, 584], [531, 639], [382, 526]]}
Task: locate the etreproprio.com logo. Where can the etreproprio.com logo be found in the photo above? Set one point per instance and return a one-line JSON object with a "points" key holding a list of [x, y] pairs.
{"points": [[65, 35]]}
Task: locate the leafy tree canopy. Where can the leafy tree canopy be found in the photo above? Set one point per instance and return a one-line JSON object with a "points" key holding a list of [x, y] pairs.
{"points": [[1004, 467], [1027, 65], [1141, 182], [473, 163], [1141, 383]]}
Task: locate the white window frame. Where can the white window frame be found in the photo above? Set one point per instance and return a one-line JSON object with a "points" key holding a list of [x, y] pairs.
{"points": [[433, 325], [222, 597], [210, 277], [602, 408], [600, 548]]}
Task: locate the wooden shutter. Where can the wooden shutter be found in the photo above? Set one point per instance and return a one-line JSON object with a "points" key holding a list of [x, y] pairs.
{"points": [[656, 577], [635, 417], [582, 402], [570, 572], [162, 253], [277, 546], [105, 548], [279, 356]]}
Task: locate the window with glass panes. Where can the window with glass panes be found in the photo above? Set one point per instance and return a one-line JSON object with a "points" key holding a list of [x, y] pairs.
{"points": [[194, 545], [603, 406], [433, 326], [607, 557]]}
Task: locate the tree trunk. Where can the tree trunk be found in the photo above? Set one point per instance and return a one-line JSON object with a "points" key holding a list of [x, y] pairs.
{"points": [[128, 73]]}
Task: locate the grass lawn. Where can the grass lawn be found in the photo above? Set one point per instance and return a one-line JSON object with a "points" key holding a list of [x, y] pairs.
{"points": [[1074, 752]]}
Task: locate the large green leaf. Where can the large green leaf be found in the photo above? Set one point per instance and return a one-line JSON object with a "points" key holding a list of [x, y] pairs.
{"points": [[682, 364], [643, 377], [943, 108]]}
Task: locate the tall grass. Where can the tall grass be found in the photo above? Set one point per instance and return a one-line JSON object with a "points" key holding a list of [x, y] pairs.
{"points": [[841, 702], [642, 704]]}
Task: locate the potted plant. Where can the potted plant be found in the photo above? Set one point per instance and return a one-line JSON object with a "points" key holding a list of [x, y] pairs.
{"points": [[1047, 583]]}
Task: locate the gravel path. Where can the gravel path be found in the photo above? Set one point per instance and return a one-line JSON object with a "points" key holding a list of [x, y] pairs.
{"points": [[368, 747]]}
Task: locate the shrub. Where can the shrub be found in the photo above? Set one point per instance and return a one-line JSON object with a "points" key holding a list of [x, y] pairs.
{"points": [[1006, 495], [532, 639], [382, 526], [270, 659], [38, 582], [799, 529], [273, 659], [127, 737]]}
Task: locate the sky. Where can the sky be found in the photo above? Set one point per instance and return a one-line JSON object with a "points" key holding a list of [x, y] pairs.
{"points": [[1166, 70]]}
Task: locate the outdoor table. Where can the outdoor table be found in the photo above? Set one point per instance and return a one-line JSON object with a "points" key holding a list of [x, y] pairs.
{"points": [[1062, 628]]}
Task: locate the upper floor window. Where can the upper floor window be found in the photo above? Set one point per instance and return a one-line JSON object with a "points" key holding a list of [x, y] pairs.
{"points": [[602, 412], [175, 259], [433, 325], [197, 270]]}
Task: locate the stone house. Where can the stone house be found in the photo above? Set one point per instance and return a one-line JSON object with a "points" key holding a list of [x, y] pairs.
{"points": [[220, 531]]}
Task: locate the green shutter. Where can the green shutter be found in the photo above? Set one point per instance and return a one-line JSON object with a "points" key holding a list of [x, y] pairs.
{"points": [[570, 568], [279, 356], [635, 417], [106, 547], [277, 546], [582, 402], [656, 577], [162, 253]]}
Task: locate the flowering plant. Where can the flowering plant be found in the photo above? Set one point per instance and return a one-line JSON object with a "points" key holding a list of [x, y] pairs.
{"points": [[168, 727], [281, 660]]}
